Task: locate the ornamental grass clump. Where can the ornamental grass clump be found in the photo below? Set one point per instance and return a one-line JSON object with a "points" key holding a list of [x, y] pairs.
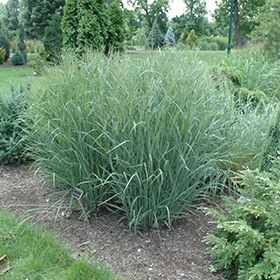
{"points": [[148, 136]]}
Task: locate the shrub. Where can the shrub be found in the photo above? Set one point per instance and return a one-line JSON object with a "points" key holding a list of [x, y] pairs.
{"points": [[227, 76], [213, 43], [232, 79], [2, 55], [4, 43], [39, 64], [246, 97], [247, 242], [53, 39], [34, 47], [213, 47], [192, 39], [272, 144], [222, 42], [148, 136], [12, 130], [21, 47], [203, 46], [18, 59], [252, 71]]}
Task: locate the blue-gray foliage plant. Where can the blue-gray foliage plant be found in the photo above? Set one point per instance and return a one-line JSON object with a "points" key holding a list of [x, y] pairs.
{"points": [[169, 38]]}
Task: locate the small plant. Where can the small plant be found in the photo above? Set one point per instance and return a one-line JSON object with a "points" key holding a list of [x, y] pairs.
{"points": [[18, 59], [247, 242], [12, 130], [2, 55]]}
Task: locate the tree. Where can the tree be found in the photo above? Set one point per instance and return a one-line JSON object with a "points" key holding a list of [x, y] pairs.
{"points": [[21, 47], [140, 38], [53, 38], [70, 25], [20, 57], [116, 30], [194, 18], [132, 23], [195, 14], [12, 17], [245, 17], [36, 15], [85, 25], [169, 38], [149, 13], [2, 16], [268, 30], [92, 25], [155, 38]]}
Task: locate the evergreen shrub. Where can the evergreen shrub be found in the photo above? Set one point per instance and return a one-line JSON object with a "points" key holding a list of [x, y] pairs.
{"points": [[18, 59], [12, 129], [53, 39], [246, 244]]}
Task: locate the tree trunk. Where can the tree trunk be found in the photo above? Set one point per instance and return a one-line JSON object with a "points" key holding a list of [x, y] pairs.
{"points": [[237, 28]]}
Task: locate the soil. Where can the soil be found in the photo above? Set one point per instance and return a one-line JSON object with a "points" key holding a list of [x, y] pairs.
{"points": [[171, 254]]}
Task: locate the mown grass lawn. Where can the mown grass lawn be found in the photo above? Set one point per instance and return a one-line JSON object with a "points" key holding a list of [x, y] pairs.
{"points": [[35, 255], [15, 76]]}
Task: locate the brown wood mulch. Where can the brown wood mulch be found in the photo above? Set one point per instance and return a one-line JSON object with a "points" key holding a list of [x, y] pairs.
{"points": [[168, 255]]}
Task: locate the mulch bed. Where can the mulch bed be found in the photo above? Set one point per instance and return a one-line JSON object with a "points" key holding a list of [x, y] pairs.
{"points": [[169, 255]]}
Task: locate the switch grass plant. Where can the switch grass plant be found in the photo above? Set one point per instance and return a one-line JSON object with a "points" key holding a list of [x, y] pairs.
{"points": [[148, 136]]}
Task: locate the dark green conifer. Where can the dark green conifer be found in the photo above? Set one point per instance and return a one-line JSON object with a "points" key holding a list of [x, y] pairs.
{"points": [[155, 39], [116, 31]]}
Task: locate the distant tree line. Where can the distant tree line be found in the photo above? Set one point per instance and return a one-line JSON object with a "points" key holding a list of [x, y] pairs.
{"points": [[81, 25]]}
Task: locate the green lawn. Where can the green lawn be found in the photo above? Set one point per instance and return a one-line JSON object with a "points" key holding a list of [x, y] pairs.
{"points": [[14, 76], [35, 255], [21, 76]]}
